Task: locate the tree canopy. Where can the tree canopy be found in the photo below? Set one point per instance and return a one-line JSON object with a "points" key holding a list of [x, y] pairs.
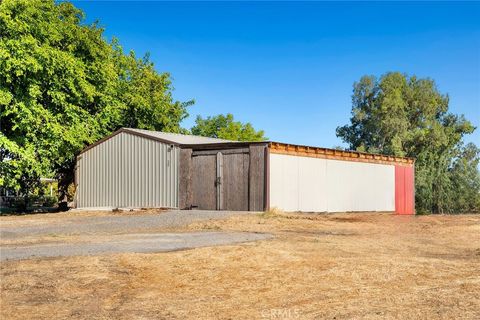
{"points": [[403, 115], [63, 86], [225, 127]]}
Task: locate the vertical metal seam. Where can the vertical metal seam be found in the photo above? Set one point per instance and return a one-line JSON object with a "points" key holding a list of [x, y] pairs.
{"points": [[128, 170]]}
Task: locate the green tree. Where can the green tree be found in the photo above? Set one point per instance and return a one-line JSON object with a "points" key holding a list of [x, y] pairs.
{"points": [[225, 127], [406, 116], [63, 86], [147, 96], [466, 180]]}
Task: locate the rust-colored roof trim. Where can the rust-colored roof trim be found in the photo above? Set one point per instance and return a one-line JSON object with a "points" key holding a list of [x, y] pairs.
{"points": [[325, 153]]}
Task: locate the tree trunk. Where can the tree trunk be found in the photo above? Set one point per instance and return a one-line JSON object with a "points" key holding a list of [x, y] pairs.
{"points": [[66, 177], [25, 202]]}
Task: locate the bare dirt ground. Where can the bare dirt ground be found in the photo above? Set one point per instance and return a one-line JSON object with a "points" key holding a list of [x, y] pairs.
{"points": [[336, 266]]}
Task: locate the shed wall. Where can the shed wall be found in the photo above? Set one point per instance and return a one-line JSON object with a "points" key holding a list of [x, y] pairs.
{"points": [[230, 178], [404, 190], [128, 171], [323, 185]]}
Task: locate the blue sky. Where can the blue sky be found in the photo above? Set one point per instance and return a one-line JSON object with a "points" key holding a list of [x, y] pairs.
{"points": [[288, 68]]}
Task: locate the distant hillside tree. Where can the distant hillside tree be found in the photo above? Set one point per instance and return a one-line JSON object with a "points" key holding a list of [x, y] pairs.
{"points": [[406, 116], [225, 127], [63, 86]]}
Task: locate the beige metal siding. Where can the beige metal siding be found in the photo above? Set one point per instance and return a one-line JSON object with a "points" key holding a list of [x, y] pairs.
{"points": [[323, 185], [128, 171]]}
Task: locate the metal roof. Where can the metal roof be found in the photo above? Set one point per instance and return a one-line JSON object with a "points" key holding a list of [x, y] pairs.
{"points": [[165, 137], [178, 138], [198, 142]]}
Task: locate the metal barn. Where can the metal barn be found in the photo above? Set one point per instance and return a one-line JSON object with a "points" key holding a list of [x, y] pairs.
{"points": [[144, 169]]}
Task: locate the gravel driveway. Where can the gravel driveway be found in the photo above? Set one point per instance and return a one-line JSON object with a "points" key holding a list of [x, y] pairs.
{"points": [[140, 243], [137, 223], [114, 234]]}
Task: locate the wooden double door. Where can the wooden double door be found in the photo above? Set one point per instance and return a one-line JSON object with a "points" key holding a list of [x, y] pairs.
{"points": [[220, 179]]}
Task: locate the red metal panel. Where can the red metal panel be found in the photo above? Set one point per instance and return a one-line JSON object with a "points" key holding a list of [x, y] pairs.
{"points": [[409, 191], [404, 190], [399, 190]]}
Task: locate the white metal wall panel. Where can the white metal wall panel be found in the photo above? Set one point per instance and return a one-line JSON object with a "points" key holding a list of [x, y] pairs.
{"points": [[310, 171], [284, 181], [322, 185], [128, 171]]}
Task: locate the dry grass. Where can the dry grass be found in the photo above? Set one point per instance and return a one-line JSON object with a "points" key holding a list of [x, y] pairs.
{"points": [[346, 266]]}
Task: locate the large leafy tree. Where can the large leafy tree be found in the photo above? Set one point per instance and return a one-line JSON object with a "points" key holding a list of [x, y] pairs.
{"points": [[63, 86], [147, 96], [466, 180], [406, 116], [225, 127]]}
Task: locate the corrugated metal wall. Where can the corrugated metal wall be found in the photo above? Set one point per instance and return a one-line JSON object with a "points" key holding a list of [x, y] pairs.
{"points": [[404, 190], [128, 171], [323, 185]]}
